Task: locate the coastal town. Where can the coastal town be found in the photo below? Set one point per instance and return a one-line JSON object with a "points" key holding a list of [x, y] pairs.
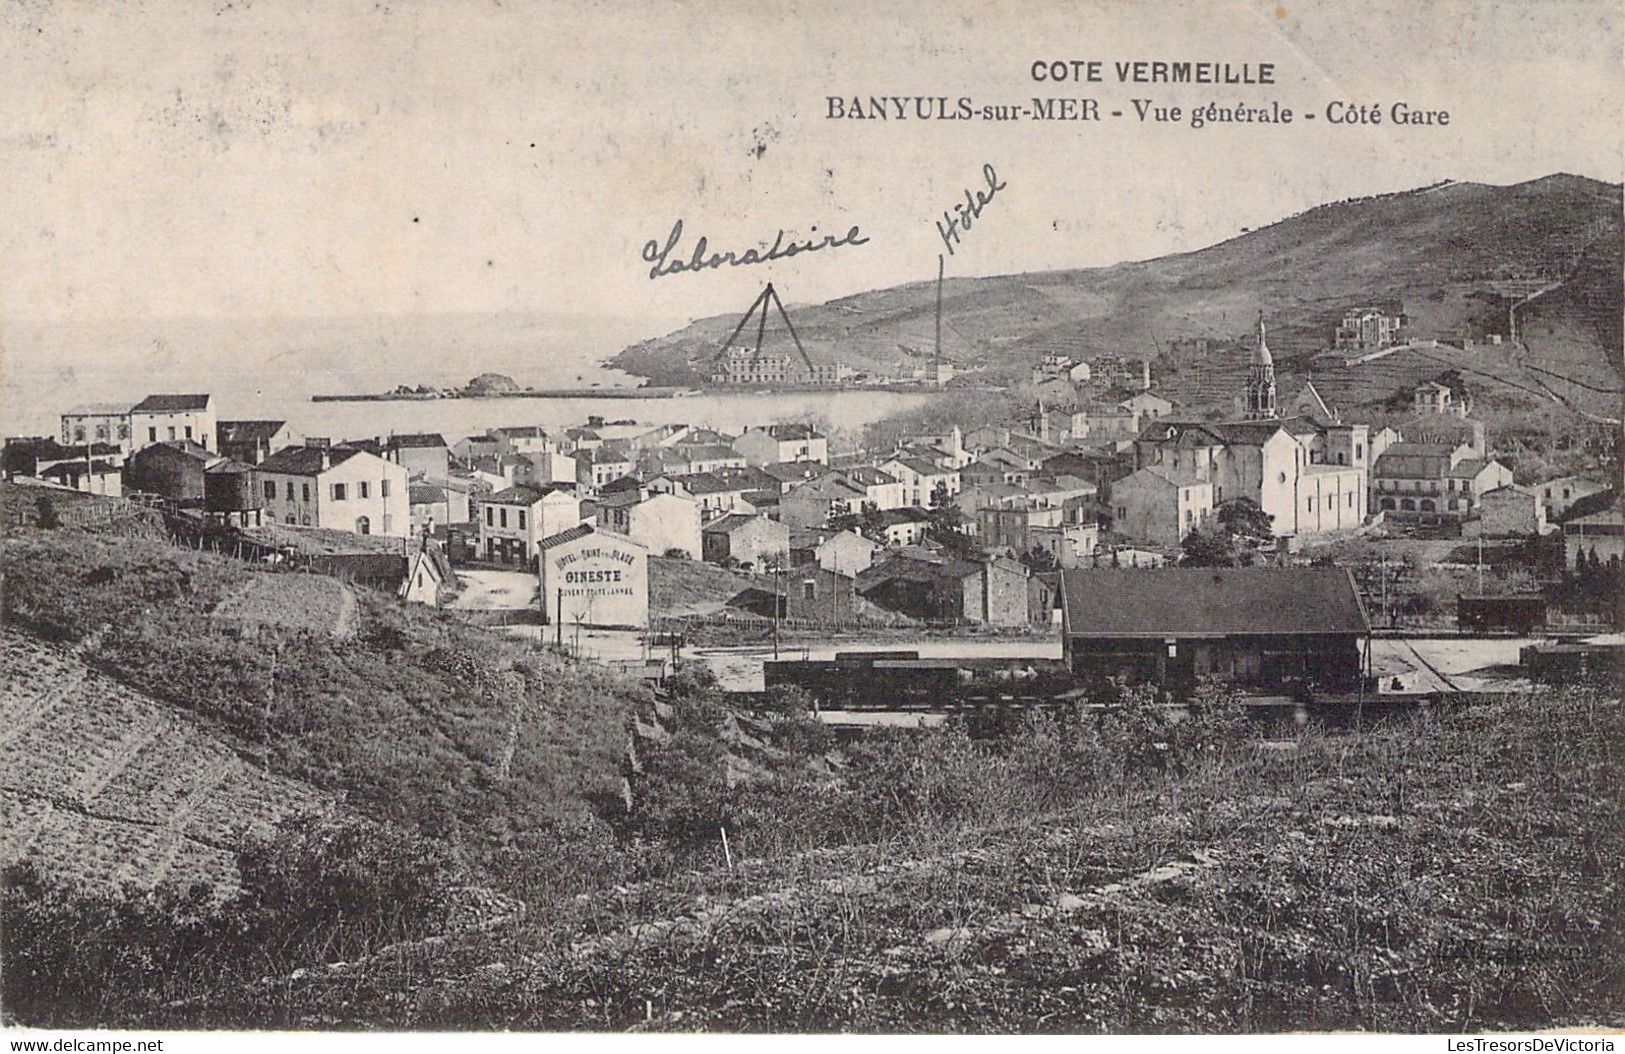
{"points": [[855, 520], [682, 530]]}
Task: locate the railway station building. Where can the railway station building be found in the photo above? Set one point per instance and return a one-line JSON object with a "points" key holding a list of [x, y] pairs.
{"points": [[1268, 629]]}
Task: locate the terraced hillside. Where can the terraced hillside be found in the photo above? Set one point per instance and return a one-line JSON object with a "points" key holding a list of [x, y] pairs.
{"points": [[103, 787], [1443, 252], [416, 718]]}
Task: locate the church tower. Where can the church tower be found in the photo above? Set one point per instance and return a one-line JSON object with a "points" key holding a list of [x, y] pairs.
{"points": [[1260, 401]]}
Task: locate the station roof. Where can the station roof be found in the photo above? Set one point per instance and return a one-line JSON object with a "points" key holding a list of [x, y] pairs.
{"points": [[1211, 602]]}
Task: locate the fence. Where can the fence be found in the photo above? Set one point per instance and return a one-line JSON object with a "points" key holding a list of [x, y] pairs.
{"points": [[80, 511], [750, 620]]}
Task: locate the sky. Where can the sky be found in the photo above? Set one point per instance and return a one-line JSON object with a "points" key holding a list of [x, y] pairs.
{"points": [[244, 159]]}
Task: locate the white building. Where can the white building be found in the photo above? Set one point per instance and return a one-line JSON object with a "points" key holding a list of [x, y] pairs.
{"points": [[162, 418], [780, 443], [512, 521], [97, 423], [523, 439], [1558, 494], [921, 479], [663, 523], [591, 577], [545, 469], [1161, 505], [1431, 397], [341, 489]]}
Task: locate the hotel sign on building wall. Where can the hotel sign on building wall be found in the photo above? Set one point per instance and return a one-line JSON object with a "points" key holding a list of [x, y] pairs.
{"points": [[594, 578]]}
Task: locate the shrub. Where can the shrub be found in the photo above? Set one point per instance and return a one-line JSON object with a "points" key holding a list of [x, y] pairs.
{"points": [[916, 779], [323, 881], [81, 959], [1059, 753], [1137, 731]]}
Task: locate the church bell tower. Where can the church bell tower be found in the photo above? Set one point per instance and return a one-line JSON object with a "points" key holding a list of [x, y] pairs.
{"points": [[1260, 401]]}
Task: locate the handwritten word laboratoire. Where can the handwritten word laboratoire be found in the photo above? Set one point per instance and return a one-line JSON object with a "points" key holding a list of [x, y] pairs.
{"points": [[702, 259], [953, 225]]}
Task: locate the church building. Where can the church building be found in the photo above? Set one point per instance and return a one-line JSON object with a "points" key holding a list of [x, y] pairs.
{"points": [[1309, 471]]}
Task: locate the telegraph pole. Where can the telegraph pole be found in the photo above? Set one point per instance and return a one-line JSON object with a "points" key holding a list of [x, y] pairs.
{"points": [[1383, 567], [1481, 560], [937, 361], [778, 586]]}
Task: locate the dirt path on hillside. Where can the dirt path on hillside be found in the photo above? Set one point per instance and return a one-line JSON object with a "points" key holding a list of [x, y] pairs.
{"points": [[495, 591]]}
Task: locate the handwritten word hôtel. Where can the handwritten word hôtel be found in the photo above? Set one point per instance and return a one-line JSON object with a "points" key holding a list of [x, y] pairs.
{"points": [[953, 225]]}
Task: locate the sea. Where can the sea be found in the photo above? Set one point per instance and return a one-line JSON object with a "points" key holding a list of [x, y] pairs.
{"points": [[270, 368]]}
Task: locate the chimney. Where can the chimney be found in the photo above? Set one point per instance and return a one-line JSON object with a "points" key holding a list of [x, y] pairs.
{"points": [[1145, 374]]}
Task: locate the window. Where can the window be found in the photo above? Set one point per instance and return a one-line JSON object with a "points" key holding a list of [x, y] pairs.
{"points": [[521, 519], [363, 525], [490, 516], [270, 489], [304, 487], [338, 492], [1359, 451], [290, 490], [809, 590], [101, 433], [502, 517], [152, 435], [292, 519], [383, 488], [124, 431], [171, 432], [361, 490], [79, 434], [189, 431]]}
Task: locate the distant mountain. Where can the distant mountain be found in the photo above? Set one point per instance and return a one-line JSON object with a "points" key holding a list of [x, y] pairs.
{"points": [[1448, 253]]}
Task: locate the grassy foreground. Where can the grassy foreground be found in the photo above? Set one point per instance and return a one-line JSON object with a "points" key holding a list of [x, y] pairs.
{"points": [[487, 868], [1460, 871]]}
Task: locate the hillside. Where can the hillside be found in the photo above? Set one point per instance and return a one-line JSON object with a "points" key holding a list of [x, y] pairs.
{"points": [[410, 717], [1429, 875], [687, 587], [505, 840], [1440, 251], [105, 787]]}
